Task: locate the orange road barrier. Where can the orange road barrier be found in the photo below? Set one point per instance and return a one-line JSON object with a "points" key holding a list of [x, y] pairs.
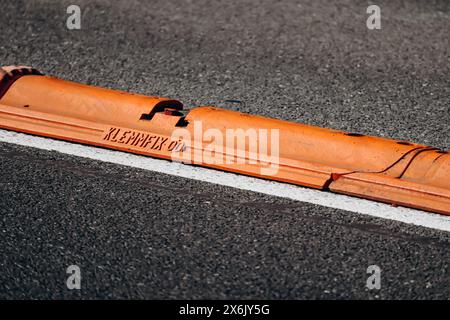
{"points": [[390, 171]]}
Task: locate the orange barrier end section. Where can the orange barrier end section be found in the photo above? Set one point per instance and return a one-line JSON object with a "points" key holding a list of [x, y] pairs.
{"points": [[395, 172]]}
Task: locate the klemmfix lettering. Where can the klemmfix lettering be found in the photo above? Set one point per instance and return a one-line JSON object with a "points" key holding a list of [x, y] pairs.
{"points": [[140, 139]]}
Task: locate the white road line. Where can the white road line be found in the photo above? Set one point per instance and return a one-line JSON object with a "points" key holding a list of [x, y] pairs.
{"points": [[327, 199]]}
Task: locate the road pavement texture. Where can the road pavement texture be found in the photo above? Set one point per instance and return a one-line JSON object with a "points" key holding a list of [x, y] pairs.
{"points": [[138, 234]]}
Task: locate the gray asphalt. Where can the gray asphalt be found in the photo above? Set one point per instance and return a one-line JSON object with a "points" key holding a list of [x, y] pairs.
{"points": [[137, 234]]}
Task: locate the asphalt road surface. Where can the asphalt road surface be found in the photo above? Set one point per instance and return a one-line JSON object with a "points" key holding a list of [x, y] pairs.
{"points": [[140, 234]]}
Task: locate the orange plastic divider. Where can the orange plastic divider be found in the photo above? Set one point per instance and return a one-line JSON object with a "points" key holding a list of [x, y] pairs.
{"points": [[386, 170]]}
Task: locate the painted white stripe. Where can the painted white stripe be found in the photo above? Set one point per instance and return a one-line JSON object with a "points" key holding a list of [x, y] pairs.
{"points": [[327, 199]]}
